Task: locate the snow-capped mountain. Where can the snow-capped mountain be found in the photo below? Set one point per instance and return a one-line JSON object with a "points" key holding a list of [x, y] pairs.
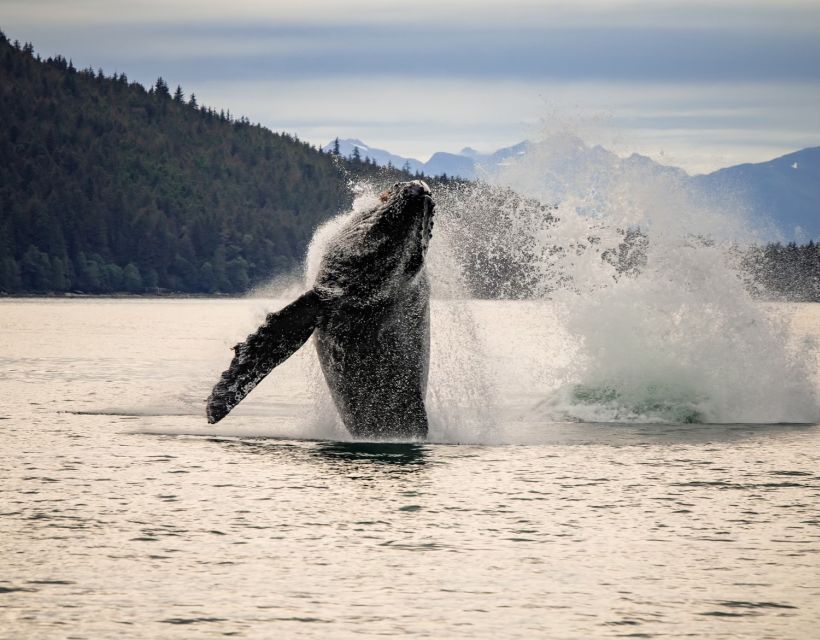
{"points": [[784, 191], [470, 164], [379, 156]]}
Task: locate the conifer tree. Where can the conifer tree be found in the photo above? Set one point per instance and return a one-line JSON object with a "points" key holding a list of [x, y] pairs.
{"points": [[161, 88], [101, 194]]}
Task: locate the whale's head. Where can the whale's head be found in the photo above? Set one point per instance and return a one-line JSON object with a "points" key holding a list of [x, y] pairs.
{"points": [[407, 217], [374, 251]]}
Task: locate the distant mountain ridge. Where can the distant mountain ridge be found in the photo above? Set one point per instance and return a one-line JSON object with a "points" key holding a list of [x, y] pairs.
{"points": [[784, 192], [381, 157], [468, 164]]}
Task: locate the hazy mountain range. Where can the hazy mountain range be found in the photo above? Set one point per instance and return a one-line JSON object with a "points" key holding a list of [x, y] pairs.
{"points": [[468, 163], [783, 193]]}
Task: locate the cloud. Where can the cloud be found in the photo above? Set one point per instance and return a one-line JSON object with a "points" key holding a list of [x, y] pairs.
{"points": [[701, 81], [449, 14], [200, 51], [700, 126]]}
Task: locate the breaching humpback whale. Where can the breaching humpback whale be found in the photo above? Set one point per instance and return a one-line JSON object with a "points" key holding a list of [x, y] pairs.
{"points": [[369, 309]]}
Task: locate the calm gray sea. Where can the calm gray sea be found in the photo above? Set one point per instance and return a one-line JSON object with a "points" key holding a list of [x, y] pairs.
{"points": [[123, 514]]}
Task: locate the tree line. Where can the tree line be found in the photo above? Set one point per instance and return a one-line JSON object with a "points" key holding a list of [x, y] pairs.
{"points": [[788, 272], [107, 186]]}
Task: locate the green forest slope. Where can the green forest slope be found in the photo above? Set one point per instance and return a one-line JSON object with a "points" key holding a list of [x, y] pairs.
{"points": [[106, 186]]}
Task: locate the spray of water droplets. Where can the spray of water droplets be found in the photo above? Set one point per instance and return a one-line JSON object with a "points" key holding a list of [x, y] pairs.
{"points": [[644, 289], [571, 285]]}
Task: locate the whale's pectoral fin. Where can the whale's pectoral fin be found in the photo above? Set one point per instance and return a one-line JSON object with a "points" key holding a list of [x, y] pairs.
{"points": [[274, 342]]}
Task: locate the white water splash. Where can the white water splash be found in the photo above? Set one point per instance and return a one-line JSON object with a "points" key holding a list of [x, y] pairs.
{"points": [[681, 340], [661, 330], [460, 399]]}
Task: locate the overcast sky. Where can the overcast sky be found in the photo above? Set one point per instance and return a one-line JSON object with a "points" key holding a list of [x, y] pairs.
{"points": [[696, 84]]}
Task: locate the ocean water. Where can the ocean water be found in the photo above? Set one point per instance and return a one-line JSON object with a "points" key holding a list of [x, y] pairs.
{"points": [[578, 482]]}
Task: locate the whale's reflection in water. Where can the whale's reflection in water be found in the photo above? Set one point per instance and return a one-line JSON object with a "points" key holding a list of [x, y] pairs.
{"points": [[401, 454], [363, 458]]}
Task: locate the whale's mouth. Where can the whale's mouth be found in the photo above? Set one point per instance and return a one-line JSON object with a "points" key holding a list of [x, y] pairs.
{"points": [[428, 207], [412, 205], [427, 222], [420, 189]]}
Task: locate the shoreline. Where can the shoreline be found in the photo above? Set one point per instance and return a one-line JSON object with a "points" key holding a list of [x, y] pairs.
{"points": [[173, 295], [122, 296]]}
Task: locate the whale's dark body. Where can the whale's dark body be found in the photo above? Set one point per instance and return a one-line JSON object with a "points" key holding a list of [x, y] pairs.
{"points": [[369, 309]]}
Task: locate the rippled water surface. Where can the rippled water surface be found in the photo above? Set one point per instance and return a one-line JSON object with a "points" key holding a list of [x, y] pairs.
{"points": [[122, 513]]}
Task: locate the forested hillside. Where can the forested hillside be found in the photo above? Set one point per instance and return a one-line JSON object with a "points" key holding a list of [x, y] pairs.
{"points": [[106, 186]]}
